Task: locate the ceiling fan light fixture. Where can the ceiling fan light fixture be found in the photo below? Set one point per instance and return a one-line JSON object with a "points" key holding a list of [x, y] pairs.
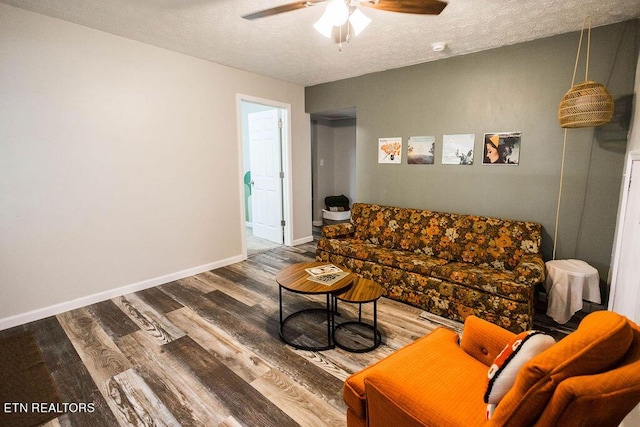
{"points": [[359, 21], [324, 26], [337, 12]]}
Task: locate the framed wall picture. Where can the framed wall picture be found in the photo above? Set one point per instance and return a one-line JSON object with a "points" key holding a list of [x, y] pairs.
{"points": [[458, 149], [390, 150], [501, 148], [421, 150]]}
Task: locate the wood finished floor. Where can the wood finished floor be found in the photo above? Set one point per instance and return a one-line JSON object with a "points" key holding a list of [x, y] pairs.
{"points": [[205, 351]]}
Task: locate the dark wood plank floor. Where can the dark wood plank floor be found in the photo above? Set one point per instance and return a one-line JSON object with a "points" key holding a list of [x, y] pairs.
{"points": [[205, 351]]}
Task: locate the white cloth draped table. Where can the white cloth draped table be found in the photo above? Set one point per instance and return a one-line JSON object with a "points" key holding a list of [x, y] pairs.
{"points": [[568, 282]]}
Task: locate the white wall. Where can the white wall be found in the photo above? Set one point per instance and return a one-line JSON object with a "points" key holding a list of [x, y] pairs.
{"points": [[633, 419], [119, 164], [624, 288]]}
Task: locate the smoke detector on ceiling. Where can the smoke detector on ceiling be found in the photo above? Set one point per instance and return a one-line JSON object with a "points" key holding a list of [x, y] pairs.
{"points": [[438, 46]]}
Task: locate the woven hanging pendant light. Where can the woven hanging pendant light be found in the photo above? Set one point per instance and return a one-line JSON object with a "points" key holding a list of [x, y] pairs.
{"points": [[586, 104]]}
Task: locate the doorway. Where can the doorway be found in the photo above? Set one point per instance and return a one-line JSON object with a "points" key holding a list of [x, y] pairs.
{"points": [[333, 158], [265, 148]]}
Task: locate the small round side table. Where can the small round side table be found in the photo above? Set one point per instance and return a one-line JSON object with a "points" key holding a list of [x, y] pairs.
{"points": [[363, 291], [295, 279], [568, 282]]}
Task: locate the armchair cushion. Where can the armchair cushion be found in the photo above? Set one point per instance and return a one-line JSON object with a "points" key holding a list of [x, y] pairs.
{"points": [[601, 399], [600, 342], [424, 401], [354, 389], [504, 370], [419, 391], [483, 340], [434, 365]]}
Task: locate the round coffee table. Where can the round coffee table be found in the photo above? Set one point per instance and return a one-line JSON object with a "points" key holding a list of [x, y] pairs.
{"points": [[295, 279], [363, 291]]}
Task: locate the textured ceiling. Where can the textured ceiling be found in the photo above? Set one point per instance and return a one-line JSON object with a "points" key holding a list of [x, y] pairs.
{"points": [[287, 47]]}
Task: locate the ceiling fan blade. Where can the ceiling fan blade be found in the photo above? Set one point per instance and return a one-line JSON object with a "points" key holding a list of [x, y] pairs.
{"points": [[281, 9], [421, 7]]}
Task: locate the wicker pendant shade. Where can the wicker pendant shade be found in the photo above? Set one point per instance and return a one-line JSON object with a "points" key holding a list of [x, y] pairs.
{"points": [[586, 104]]}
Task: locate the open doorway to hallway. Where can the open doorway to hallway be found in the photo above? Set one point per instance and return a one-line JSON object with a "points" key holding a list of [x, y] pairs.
{"points": [[333, 158], [265, 133]]}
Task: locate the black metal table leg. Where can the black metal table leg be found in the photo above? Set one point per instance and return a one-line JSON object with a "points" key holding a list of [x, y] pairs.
{"points": [[377, 336], [330, 324]]}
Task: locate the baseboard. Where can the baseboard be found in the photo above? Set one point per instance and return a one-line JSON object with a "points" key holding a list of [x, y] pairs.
{"points": [[52, 310], [303, 240], [317, 223]]}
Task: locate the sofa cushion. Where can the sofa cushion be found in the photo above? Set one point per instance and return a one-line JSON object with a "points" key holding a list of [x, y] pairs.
{"points": [[343, 229], [496, 282], [438, 296], [357, 249], [484, 241], [599, 343]]}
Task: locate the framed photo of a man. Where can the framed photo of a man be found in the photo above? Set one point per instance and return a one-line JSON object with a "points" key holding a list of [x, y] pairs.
{"points": [[501, 148]]}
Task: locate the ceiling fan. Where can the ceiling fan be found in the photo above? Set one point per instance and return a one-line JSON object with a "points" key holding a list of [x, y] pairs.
{"points": [[421, 7], [345, 14]]}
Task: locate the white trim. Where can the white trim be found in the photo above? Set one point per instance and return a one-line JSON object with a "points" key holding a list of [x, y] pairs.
{"points": [[52, 310], [303, 240], [622, 208], [287, 166]]}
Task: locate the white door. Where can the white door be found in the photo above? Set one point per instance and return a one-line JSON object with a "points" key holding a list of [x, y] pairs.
{"points": [[626, 287], [265, 162]]}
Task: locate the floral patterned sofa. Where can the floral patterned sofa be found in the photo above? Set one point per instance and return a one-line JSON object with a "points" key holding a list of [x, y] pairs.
{"points": [[449, 264]]}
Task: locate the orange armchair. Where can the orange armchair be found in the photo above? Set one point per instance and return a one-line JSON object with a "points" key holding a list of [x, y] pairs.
{"points": [[591, 375]]}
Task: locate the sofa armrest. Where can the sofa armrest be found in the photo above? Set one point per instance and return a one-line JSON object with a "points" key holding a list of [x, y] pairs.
{"points": [[484, 340], [530, 270], [338, 230]]}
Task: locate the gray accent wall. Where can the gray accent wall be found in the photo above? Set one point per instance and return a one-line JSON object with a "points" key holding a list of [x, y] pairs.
{"points": [[513, 88]]}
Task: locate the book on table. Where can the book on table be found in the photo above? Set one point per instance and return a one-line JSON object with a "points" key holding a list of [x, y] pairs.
{"points": [[323, 270], [326, 274]]}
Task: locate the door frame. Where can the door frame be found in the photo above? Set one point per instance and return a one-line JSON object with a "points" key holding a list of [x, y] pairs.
{"points": [[622, 211], [287, 167]]}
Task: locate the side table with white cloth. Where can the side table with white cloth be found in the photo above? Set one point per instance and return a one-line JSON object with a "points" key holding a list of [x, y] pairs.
{"points": [[569, 281]]}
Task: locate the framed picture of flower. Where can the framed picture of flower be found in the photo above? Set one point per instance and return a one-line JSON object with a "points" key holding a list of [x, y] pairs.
{"points": [[390, 150]]}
